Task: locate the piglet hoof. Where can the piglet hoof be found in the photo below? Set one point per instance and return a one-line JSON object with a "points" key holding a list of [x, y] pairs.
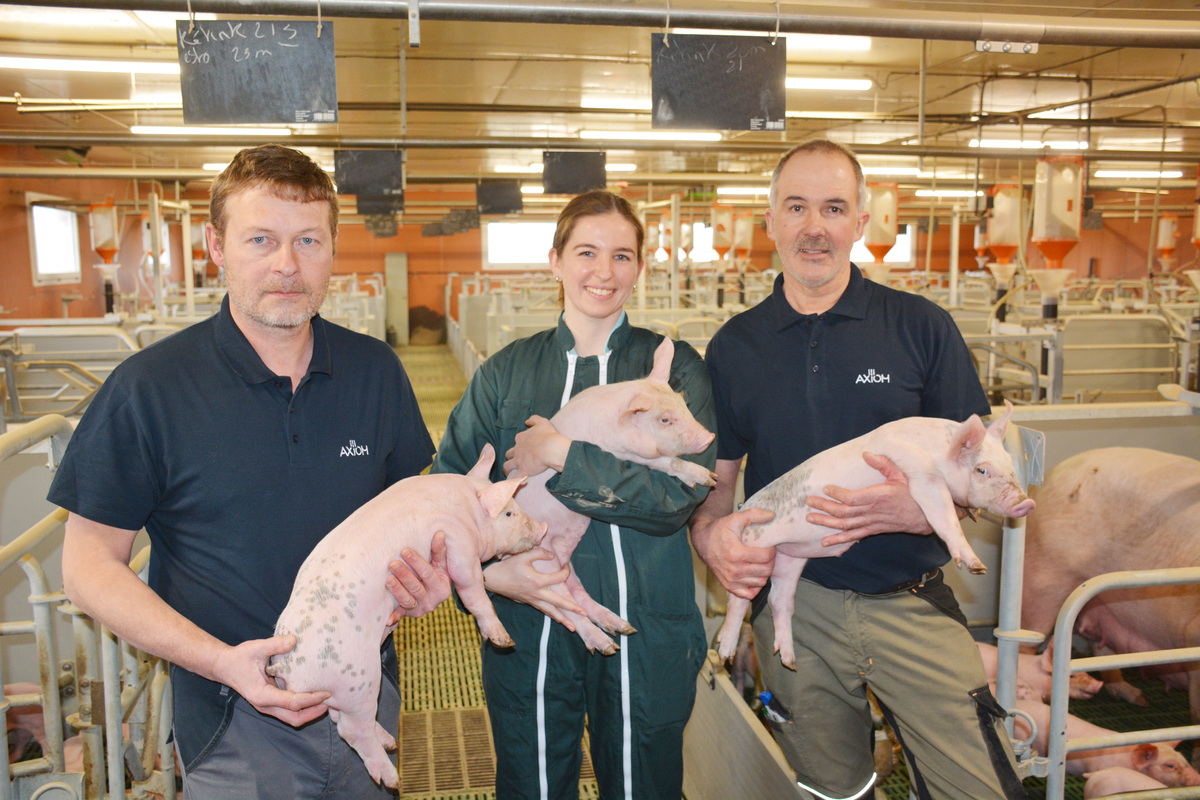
{"points": [[977, 567], [609, 649], [624, 629], [502, 641]]}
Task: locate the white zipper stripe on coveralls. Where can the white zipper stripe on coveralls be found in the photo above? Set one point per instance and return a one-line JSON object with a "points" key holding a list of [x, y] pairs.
{"points": [[626, 729]]}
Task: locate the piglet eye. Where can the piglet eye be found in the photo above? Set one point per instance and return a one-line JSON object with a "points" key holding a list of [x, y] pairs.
{"points": [[981, 470], [508, 513], [665, 420]]}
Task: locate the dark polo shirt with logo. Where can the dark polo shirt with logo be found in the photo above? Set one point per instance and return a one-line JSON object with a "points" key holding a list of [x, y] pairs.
{"points": [[235, 477], [787, 386]]}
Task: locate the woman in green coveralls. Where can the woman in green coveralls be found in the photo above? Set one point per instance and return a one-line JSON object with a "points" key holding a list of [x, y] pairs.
{"points": [[634, 558]]}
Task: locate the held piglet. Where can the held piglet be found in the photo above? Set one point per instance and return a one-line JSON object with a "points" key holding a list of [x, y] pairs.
{"points": [[340, 605], [644, 421], [947, 463]]}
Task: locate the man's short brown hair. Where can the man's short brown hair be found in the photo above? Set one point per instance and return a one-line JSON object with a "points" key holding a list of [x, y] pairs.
{"points": [[287, 173]]}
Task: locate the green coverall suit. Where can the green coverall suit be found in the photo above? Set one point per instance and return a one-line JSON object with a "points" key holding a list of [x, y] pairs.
{"points": [[634, 559]]}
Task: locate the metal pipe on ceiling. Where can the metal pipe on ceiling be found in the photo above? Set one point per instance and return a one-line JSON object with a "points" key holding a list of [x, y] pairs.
{"points": [[84, 139], [786, 18]]}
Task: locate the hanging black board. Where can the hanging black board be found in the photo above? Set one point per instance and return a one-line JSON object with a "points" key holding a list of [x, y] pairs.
{"points": [[572, 172], [372, 205], [369, 172], [733, 83], [493, 196], [256, 71]]}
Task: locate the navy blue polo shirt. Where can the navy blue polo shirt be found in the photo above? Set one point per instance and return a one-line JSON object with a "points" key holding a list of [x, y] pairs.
{"points": [[789, 385], [234, 476]]}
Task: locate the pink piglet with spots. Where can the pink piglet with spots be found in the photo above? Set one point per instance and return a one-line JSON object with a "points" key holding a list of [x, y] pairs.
{"points": [[340, 605]]}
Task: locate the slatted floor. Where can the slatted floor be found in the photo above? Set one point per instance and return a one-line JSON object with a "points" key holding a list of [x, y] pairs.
{"points": [[445, 747]]}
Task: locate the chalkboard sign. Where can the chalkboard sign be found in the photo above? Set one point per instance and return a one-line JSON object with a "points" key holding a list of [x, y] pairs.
{"points": [[572, 172], [494, 196], [369, 172], [718, 82], [246, 71], [371, 205]]}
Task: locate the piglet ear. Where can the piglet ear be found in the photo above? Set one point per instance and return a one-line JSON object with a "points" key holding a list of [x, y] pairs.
{"points": [[483, 467], [967, 438], [638, 404], [1144, 755], [495, 496], [999, 426], [661, 371]]}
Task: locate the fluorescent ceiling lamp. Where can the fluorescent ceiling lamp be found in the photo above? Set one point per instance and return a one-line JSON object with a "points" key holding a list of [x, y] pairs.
{"points": [[1028, 145], [1138, 173], [650, 136], [614, 102], [829, 84], [90, 65], [214, 167], [743, 190], [528, 188], [890, 170], [205, 130], [534, 169], [828, 43], [854, 115], [948, 193]]}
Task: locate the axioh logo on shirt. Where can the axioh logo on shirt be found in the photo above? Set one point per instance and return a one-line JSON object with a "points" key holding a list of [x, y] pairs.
{"points": [[354, 449], [872, 376]]}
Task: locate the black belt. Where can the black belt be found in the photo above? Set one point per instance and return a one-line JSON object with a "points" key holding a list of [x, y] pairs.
{"points": [[904, 587]]}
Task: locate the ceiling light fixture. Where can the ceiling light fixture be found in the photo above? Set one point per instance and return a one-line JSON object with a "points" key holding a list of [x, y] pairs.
{"points": [[90, 65], [829, 84], [948, 193], [651, 136], [1015, 144], [529, 188], [1139, 173], [797, 42], [890, 170], [205, 130]]}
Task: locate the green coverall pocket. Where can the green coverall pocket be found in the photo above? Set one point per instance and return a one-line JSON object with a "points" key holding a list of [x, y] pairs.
{"points": [[664, 663]]}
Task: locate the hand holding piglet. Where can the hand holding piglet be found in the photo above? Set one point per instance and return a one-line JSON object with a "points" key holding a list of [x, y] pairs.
{"points": [[419, 586], [518, 579], [538, 448], [886, 507]]}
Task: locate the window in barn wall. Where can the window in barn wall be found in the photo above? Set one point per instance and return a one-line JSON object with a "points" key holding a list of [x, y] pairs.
{"points": [[517, 245], [53, 241]]}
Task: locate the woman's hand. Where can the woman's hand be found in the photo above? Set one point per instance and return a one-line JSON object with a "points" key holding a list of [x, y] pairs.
{"points": [[517, 579], [539, 447]]}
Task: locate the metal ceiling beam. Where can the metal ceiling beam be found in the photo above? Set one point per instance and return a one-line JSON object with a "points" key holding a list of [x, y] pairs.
{"points": [[768, 18], [83, 139]]}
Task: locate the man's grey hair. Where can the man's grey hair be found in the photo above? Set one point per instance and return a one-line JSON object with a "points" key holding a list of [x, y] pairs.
{"points": [[827, 147]]}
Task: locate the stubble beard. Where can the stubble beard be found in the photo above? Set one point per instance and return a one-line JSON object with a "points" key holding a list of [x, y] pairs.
{"points": [[264, 314]]}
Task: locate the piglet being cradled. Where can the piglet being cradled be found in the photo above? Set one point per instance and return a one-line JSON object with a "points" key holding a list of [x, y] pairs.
{"points": [[947, 464], [340, 605]]}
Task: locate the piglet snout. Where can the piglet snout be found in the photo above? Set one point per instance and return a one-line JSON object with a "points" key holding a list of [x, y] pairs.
{"points": [[1023, 508]]}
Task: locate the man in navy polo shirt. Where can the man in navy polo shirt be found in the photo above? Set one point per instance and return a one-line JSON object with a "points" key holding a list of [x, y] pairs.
{"points": [[827, 357], [238, 443]]}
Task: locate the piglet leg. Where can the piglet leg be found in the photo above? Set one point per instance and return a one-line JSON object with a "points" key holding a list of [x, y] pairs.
{"points": [[784, 578], [935, 500], [360, 730], [597, 613], [727, 638], [462, 563]]}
